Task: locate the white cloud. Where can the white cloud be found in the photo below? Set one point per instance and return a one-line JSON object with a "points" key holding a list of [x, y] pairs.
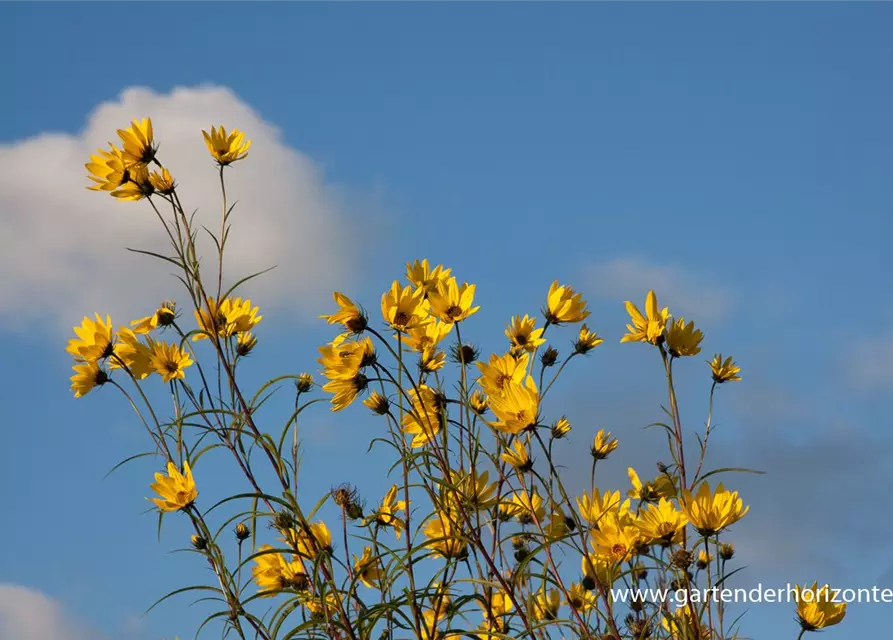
{"points": [[26, 614], [685, 292], [62, 247]]}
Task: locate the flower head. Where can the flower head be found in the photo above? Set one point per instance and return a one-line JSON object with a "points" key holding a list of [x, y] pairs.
{"points": [[386, 514], [523, 335], [348, 314], [368, 568], [107, 170], [445, 536], [561, 427], [652, 490], [649, 327], [163, 317], [177, 490], [724, 370], [526, 506], [602, 445], [423, 277], [683, 339], [94, 339], [162, 182], [517, 409], [661, 523], [377, 403], [424, 420], [87, 376], [273, 571], [711, 512], [139, 143], [452, 303], [616, 540], [594, 507], [518, 457], [169, 361], [816, 607], [544, 604], [129, 352], [564, 305], [402, 308], [500, 371], [226, 318], [586, 340], [226, 148]]}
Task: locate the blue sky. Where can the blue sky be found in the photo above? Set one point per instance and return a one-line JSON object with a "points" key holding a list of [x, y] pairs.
{"points": [[736, 157]]}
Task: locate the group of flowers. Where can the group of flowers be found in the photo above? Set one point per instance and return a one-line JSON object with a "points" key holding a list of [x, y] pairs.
{"points": [[489, 506]]}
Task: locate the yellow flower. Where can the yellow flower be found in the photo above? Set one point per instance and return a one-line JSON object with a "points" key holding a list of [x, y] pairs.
{"points": [[444, 536], [594, 508], [522, 334], [661, 523], [386, 514], [704, 559], [309, 542], [724, 370], [177, 490], [432, 360], [137, 186], [501, 371], [245, 343], [710, 513], [377, 403], [163, 316], [816, 607], [423, 277], [473, 490], [139, 143], [424, 420], [87, 376], [348, 314], [683, 339], [518, 457], [107, 170], [517, 409], [162, 182], [579, 598], [651, 491], [169, 361], [345, 390], [479, 402], [368, 569], [224, 148], [561, 427], [602, 571], [615, 540], [452, 303], [525, 506], [544, 604], [274, 572], [586, 340], [681, 626], [131, 353], [602, 445], [304, 382], [94, 339], [327, 608], [563, 305], [402, 308], [226, 318], [559, 524], [647, 328], [426, 336], [343, 358]]}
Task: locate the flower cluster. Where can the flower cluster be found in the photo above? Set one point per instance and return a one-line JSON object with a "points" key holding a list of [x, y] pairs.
{"points": [[480, 533]]}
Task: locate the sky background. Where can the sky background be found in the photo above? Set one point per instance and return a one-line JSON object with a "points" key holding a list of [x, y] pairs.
{"points": [[734, 157]]}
